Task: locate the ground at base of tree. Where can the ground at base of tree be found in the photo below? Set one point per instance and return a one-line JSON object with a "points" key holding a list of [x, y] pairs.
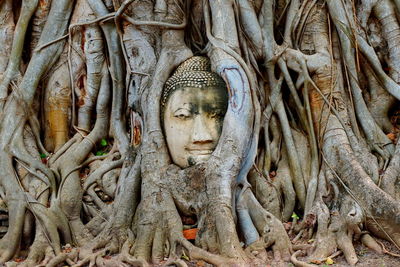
{"points": [[366, 257], [369, 258]]}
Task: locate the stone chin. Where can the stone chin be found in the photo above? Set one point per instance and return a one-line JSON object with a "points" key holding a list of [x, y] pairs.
{"points": [[196, 159]]}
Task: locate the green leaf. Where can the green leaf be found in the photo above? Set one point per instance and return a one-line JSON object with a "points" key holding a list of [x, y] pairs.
{"points": [[185, 257], [100, 153], [329, 261], [103, 142], [294, 216], [43, 156]]}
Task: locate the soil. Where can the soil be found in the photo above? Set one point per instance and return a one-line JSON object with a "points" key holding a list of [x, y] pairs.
{"points": [[369, 258], [366, 258]]}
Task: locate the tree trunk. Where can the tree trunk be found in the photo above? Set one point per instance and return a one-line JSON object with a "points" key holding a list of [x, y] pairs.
{"points": [[310, 133]]}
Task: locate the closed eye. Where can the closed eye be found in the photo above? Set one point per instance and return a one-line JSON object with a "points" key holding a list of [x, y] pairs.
{"points": [[182, 114], [216, 114]]}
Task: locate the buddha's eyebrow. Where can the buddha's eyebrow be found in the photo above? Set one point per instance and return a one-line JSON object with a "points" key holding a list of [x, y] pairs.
{"points": [[185, 106], [213, 107], [182, 108]]}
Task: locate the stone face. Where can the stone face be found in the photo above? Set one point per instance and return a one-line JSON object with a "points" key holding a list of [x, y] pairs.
{"points": [[193, 114]]}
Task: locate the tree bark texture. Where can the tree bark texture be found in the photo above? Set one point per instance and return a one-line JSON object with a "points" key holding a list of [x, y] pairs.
{"points": [[309, 145]]}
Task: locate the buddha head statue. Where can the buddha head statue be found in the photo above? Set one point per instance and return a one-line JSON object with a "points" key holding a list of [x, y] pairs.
{"points": [[193, 106]]}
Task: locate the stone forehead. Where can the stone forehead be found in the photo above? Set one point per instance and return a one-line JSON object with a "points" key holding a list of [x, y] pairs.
{"points": [[194, 72]]}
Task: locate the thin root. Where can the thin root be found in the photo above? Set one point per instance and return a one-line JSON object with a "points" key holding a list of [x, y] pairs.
{"points": [[299, 263], [386, 251]]}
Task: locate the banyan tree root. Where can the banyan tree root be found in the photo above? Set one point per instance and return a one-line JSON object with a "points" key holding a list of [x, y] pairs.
{"points": [[345, 219], [290, 140]]}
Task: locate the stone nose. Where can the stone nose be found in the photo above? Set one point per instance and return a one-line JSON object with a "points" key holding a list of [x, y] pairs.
{"points": [[200, 131]]}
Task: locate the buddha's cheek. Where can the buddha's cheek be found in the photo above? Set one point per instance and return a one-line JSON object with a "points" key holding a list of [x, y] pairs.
{"points": [[178, 139], [215, 129]]}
